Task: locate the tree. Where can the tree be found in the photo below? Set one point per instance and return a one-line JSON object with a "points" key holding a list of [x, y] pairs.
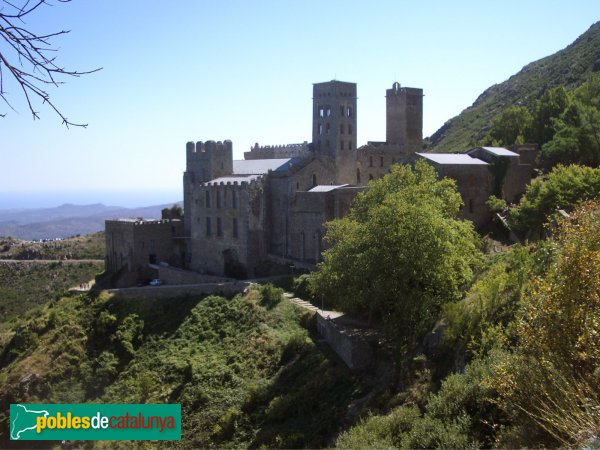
{"points": [[552, 375], [174, 212], [563, 188], [29, 58], [511, 127], [400, 253]]}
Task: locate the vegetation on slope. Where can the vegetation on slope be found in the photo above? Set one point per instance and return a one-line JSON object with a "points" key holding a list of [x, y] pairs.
{"points": [[569, 67], [245, 370], [27, 284], [91, 246]]}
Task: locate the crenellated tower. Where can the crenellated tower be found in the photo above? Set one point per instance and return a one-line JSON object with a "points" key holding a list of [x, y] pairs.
{"points": [[205, 161]]}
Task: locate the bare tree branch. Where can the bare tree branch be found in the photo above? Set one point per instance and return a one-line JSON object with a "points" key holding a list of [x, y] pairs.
{"points": [[30, 58]]}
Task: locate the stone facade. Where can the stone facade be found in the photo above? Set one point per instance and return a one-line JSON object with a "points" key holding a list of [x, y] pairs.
{"points": [[272, 206]]}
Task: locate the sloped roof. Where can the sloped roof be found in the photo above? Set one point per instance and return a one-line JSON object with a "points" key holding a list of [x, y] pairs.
{"points": [[499, 151], [326, 187], [262, 166], [453, 159]]}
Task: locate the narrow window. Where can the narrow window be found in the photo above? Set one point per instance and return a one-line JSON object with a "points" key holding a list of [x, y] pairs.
{"points": [[235, 227], [320, 129], [318, 145], [349, 111], [370, 161], [328, 111], [208, 227], [321, 111], [349, 145], [471, 209], [342, 110], [341, 128], [381, 161], [349, 129], [234, 199], [219, 227], [218, 199], [208, 199], [314, 179], [327, 128], [341, 145], [297, 186], [357, 176]]}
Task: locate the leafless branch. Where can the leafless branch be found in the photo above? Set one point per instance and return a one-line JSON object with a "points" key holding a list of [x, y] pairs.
{"points": [[30, 58]]}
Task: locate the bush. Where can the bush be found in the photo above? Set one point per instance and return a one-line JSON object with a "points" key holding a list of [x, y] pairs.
{"points": [[270, 296]]}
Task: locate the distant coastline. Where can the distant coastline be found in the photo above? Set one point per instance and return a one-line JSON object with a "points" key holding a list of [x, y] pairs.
{"points": [[53, 198]]}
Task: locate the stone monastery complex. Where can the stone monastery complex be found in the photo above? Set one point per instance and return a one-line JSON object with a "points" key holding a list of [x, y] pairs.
{"points": [[243, 217]]}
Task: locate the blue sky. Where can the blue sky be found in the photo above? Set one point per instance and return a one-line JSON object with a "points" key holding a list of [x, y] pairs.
{"points": [[243, 70]]}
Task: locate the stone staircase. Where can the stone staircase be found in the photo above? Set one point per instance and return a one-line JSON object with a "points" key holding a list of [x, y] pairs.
{"points": [[300, 302]]}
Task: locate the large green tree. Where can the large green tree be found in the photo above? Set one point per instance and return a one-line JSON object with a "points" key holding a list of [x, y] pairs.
{"points": [[400, 253]]}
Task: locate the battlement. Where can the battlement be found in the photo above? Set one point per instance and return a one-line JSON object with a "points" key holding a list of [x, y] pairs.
{"points": [[248, 181], [397, 89], [205, 150], [278, 151]]}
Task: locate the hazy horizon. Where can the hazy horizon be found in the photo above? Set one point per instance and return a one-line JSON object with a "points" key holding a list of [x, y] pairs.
{"points": [[53, 198]]}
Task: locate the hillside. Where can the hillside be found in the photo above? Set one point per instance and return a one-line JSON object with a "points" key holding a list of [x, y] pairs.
{"points": [[91, 246], [67, 220], [569, 67], [247, 374]]}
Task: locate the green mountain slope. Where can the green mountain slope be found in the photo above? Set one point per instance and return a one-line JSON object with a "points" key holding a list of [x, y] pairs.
{"points": [[569, 67]]}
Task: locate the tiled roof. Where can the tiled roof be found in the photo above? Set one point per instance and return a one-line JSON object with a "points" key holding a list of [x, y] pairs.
{"points": [[452, 159], [499, 151], [326, 187], [262, 166]]}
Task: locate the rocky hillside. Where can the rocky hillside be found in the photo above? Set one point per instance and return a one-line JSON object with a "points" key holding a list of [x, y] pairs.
{"points": [[569, 67]]}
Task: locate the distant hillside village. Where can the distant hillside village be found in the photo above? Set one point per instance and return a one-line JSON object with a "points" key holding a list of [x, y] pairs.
{"points": [[244, 218]]}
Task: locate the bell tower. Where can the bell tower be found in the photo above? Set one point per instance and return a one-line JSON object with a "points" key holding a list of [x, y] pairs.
{"points": [[334, 126]]}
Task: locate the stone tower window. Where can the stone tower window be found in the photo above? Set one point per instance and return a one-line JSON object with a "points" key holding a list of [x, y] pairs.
{"points": [[208, 199], [327, 128], [341, 145], [208, 227], [381, 161], [321, 111], [357, 176], [342, 110], [235, 227], [320, 128], [341, 128], [370, 161], [219, 227], [349, 111], [234, 199], [349, 129], [218, 199], [314, 179], [328, 112]]}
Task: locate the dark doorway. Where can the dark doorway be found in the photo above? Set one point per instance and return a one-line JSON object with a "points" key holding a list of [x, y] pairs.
{"points": [[232, 267]]}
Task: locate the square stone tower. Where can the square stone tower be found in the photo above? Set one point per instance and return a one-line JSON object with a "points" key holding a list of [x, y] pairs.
{"points": [[404, 117], [334, 126]]}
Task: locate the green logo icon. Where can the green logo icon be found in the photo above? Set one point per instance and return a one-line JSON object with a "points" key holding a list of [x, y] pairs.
{"points": [[95, 422]]}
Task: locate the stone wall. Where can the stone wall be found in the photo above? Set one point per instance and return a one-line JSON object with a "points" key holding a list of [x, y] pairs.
{"points": [[347, 344], [173, 292], [175, 276]]}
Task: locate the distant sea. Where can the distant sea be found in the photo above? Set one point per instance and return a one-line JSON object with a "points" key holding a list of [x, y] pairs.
{"points": [[50, 198]]}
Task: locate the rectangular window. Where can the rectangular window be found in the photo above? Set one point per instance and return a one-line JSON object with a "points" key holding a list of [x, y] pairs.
{"points": [[219, 227], [218, 199], [349, 129], [327, 127], [234, 199], [207, 199], [341, 128], [235, 228], [341, 145], [208, 227], [381, 161]]}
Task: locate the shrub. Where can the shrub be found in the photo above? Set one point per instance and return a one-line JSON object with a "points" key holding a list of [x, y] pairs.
{"points": [[270, 296]]}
